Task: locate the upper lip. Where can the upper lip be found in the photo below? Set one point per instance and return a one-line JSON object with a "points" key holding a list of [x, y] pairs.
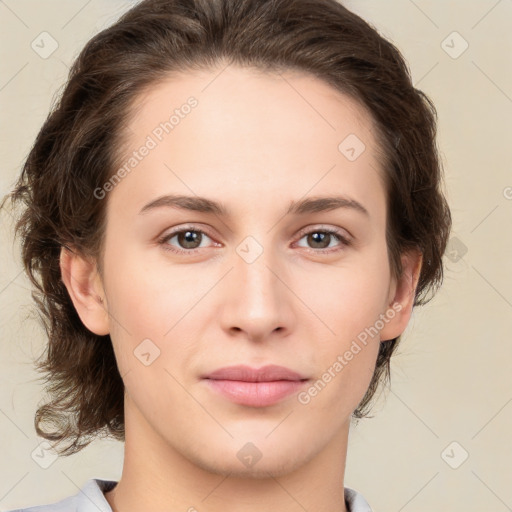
{"points": [[245, 373]]}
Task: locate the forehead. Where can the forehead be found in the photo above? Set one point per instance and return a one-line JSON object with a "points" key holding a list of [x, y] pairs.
{"points": [[273, 100], [250, 132]]}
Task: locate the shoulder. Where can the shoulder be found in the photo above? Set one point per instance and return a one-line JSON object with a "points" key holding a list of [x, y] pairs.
{"points": [[89, 498], [355, 501]]}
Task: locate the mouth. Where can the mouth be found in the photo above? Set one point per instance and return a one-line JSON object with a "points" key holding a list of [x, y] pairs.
{"points": [[252, 387]]}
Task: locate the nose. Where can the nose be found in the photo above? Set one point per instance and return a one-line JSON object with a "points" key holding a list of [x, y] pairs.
{"points": [[257, 302]]}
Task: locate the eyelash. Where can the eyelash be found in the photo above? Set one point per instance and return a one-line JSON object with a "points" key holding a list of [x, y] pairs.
{"points": [[345, 242]]}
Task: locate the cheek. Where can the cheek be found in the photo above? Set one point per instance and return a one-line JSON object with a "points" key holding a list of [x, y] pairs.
{"points": [[342, 381], [346, 360], [156, 302], [149, 299], [347, 299]]}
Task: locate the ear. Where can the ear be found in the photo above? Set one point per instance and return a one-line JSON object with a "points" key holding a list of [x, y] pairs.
{"points": [[85, 288], [401, 296]]}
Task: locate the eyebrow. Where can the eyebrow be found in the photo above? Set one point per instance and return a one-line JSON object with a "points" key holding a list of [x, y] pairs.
{"points": [[205, 205]]}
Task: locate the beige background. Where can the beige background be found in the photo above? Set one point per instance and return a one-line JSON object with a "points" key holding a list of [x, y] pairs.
{"points": [[451, 379]]}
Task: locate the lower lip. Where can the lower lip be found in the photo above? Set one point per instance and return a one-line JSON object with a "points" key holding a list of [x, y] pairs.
{"points": [[256, 394]]}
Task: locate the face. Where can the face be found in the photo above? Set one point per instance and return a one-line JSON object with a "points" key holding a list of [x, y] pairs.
{"points": [[256, 279]]}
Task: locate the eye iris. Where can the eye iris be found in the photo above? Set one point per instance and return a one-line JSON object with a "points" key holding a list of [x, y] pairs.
{"points": [[185, 238], [319, 237]]}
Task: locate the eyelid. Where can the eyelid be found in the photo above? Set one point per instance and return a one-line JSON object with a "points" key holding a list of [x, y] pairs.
{"points": [[343, 233], [186, 227], [161, 239], [344, 238]]}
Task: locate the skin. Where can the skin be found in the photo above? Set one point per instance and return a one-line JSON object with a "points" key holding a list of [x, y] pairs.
{"points": [[254, 143]]}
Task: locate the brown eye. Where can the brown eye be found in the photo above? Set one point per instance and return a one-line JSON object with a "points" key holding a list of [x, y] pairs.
{"points": [[186, 240], [321, 239], [189, 239]]}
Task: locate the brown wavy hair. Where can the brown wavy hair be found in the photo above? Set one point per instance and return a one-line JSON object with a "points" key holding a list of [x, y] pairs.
{"points": [[78, 149]]}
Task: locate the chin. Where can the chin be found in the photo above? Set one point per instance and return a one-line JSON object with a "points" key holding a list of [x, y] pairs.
{"points": [[263, 469], [257, 460]]}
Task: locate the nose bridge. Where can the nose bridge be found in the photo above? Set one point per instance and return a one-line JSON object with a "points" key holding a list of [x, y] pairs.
{"points": [[257, 302], [252, 266]]}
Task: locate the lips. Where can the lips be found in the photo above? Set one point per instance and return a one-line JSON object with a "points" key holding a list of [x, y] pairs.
{"points": [[252, 387], [245, 373]]}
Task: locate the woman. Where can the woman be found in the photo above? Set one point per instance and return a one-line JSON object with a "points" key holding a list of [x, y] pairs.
{"points": [[229, 217]]}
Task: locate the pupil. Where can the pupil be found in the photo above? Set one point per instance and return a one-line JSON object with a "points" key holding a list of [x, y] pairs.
{"points": [[320, 238], [189, 237]]}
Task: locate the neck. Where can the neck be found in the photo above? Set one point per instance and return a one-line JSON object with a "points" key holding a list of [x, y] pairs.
{"points": [[158, 475]]}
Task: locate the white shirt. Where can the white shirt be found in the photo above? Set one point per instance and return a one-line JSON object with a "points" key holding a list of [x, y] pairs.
{"points": [[90, 498]]}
